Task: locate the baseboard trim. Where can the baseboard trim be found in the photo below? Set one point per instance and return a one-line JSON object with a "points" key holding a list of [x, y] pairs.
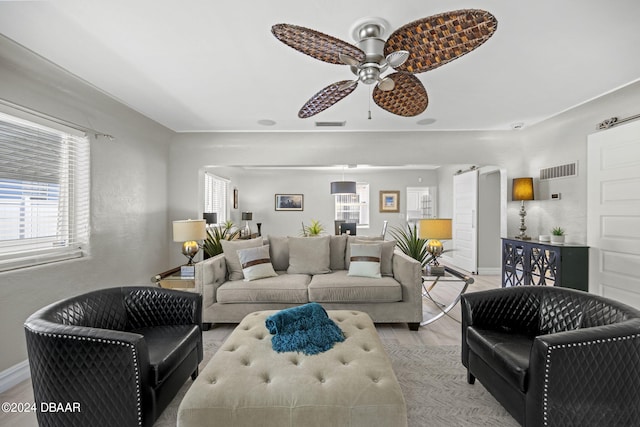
{"points": [[13, 376], [489, 271]]}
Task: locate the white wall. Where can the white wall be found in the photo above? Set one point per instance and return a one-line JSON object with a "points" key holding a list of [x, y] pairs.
{"points": [[190, 153], [561, 140], [129, 225], [257, 190]]}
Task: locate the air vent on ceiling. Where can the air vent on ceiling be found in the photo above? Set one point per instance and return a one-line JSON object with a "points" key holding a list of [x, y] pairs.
{"points": [[330, 124], [562, 171]]}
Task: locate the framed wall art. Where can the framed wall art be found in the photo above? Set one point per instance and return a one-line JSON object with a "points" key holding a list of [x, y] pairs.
{"points": [[389, 201], [289, 202]]}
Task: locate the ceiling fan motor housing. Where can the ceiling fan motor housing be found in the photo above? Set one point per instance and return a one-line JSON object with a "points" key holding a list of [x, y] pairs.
{"points": [[372, 45]]}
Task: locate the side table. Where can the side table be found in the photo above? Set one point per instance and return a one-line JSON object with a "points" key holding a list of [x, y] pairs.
{"points": [[430, 282], [172, 279]]}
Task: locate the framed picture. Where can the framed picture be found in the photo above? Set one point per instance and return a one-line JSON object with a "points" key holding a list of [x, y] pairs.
{"points": [[289, 202], [235, 198], [389, 201]]}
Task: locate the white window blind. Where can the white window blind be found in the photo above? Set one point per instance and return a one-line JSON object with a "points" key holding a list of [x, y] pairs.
{"points": [[216, 196], [44, 193], [354, 207]]}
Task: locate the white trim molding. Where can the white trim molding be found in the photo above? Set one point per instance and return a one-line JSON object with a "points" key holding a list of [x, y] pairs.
{"points": [[13, 376]]}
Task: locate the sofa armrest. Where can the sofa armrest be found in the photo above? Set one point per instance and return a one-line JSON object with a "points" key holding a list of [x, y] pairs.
{"points": [[210, 274], [88, 367], [588, 375], [151, 306], [408, 272]]}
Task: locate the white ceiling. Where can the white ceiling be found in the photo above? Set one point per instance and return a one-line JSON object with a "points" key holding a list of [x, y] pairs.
{"points": [[203, 65]]}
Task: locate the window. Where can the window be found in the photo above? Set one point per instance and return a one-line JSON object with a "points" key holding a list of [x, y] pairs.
{"points": [[44, 193], [354, 207], [216, 195]]}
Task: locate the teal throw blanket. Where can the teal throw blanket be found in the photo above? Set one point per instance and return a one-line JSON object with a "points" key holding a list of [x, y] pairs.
{"points": [[305, 328]]}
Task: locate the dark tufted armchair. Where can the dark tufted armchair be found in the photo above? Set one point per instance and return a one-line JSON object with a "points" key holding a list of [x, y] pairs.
{"points": [[113, 357], [554, 356]]}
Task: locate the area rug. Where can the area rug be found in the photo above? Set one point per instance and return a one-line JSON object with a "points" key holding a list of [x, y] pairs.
{"points": [[433, 382]]}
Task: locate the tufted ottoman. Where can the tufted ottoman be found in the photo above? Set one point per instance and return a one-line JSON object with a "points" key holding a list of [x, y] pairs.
{"points": [[247, 383]]}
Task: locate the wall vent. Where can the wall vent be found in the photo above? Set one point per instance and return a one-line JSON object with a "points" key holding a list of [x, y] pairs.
{"points": [[330, 124], [562, 171]]}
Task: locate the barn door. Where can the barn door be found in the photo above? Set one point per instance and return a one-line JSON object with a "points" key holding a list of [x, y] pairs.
{"points": [[465, 220], [613, 213]]}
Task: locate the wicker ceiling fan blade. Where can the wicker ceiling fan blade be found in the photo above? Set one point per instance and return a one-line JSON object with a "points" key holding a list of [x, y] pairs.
{"points": [[439, 39], [326, 98], [408, 97], [316, 44]]}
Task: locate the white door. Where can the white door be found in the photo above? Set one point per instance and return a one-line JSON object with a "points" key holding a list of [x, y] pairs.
{"points": [[465, 219], [613, 213]]}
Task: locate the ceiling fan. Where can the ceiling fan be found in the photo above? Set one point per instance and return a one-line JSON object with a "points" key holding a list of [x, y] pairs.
{"points": [[416, 47]]}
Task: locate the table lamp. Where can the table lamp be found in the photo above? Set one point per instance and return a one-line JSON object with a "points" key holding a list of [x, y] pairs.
{"points": [[522, 190], [434, 229], [188, 231], [247, 216]]}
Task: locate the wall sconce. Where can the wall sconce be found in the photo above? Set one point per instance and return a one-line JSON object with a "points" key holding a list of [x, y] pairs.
{"points": [[522, 190], [435, 229]]}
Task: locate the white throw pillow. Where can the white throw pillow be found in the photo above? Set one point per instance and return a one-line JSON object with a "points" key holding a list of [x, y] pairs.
{"points": [[365, 260], [256, 263], [230, 249]]}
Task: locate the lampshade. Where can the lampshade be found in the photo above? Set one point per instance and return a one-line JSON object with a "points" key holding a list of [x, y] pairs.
{"points": [[436, 228], [343, 187], [189, 230], [522, 189], [210, 217], [247, 216]]}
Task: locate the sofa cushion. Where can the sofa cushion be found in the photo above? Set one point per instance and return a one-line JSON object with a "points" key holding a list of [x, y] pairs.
{"points": [[231, 248], [168, 346], [386, 260], [508, 353], [339, 287], [309, 255], [279, 252], [256, 263], [365, 260], [285, 288]]}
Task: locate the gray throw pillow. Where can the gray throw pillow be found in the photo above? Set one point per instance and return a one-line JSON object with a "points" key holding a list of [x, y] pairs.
{"points": [[230, 249], [279, 251], [338, 248], [309, 255]]}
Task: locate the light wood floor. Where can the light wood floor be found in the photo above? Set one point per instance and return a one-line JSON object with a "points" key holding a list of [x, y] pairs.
{"points": [[444, 331]]}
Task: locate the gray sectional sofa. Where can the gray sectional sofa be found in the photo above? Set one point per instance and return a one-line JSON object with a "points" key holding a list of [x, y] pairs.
{"points": [[311, 269]]}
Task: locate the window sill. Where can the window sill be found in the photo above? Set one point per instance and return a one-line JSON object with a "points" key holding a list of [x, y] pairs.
{"points": [[31, 260]]}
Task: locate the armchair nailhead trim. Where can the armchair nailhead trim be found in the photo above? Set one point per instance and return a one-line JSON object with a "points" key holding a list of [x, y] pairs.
{"points": [[545, 397], [114, 342]]}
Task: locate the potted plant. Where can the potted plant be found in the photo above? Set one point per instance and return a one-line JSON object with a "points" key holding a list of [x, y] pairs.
{"points": [[557, 235], [313, 230], [215, 234]]}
